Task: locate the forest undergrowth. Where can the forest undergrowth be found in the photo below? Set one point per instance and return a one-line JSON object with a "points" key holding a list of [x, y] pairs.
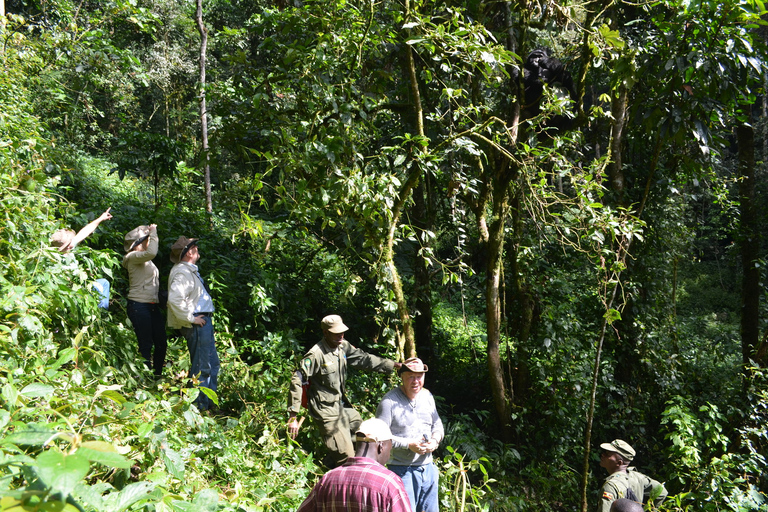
{"points": [[86, 427]]}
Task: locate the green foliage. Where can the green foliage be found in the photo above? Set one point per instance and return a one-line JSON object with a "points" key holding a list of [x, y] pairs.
{"points": [[460, 342], [702, 453], [71, 437], [460, 494], [312, 142], [480, 473]]}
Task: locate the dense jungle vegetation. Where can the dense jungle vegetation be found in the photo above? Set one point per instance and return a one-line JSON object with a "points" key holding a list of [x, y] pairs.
{"points": [[558, 206]]}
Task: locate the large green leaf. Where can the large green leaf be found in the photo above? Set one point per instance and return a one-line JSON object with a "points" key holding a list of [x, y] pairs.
{"points": [[174, 463], [37, 390], [9, 394], [61, 473], [210, 394], [131, 494], [103, 453], [206, 500], [30, 435], [5, 417], [92, 495]]}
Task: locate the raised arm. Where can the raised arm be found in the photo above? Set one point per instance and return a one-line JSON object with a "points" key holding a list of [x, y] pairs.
{"points": [[86, 231], [137, 256]]}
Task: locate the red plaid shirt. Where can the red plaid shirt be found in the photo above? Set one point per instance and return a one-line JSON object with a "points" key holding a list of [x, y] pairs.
{"points": [[360, 485]]}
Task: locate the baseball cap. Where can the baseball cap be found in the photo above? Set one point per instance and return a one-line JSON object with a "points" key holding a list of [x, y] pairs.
{"points": [[373, 431], [621, 447], [333, 324]]}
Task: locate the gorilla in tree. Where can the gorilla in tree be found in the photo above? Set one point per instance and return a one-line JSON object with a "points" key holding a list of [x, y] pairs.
{"points": [[540, 69]]}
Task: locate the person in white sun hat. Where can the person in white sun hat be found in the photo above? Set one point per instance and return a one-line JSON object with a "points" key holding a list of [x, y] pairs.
{"points": [[362, 484]]}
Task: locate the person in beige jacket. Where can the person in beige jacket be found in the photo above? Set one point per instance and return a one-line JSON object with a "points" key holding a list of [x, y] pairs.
{"points": [[143, 301], [190, 309]]}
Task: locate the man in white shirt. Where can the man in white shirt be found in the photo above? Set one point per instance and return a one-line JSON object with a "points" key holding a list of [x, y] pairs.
{"points": [[411, 414], [190, 309]]}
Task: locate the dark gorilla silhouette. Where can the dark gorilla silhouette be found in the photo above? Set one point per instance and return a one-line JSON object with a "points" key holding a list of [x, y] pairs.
{"points": [[539, 69]]}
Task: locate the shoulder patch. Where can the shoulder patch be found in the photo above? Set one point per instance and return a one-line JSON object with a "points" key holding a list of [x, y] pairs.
{"points": [[608, 496], [307, 364]]}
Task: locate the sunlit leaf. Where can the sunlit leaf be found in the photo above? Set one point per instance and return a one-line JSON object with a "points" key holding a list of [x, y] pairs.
{"points": [[37, 390], [61, 472]]}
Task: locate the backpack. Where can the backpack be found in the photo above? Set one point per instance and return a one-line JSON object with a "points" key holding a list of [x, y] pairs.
{"points": [[304, 389], [632, 496]]}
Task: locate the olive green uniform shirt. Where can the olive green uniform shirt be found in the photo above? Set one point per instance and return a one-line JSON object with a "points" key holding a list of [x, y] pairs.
{"points": [[616, 485], [326, 370]]}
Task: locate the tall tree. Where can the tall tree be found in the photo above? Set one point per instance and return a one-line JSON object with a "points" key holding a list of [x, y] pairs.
{"points": [[203, 110], [750, 245]]}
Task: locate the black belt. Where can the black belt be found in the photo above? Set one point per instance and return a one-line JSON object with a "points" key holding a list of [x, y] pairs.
{"points": [[203, 314]]}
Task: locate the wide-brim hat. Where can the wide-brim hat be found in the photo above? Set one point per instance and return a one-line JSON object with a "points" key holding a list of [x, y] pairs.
{"points": [[621, 447], [413, 364], [180, 247], [135, 237], [373, 430], [333, 324]]}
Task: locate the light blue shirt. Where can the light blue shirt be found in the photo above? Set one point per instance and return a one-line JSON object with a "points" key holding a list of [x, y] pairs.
{"points": [[205, 302]]}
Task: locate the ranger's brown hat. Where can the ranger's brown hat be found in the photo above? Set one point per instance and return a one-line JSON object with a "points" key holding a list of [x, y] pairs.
{"points": [[413, 364], [62, 237], [333, 324]]}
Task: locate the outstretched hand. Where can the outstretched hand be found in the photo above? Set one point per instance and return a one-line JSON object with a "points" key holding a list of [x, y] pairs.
{"points": [[86, 231], [431, 446], [293, 427]]}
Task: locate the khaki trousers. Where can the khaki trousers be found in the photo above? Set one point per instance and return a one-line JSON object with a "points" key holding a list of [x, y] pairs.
{"points": [[337, 435]]}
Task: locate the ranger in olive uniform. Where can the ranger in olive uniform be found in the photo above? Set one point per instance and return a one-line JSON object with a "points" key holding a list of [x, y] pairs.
{"points": [[623, 481], [323, 372]]}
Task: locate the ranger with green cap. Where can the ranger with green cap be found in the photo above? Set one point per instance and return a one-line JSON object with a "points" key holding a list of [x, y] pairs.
{"points": [[322, 376], [624, 481]]}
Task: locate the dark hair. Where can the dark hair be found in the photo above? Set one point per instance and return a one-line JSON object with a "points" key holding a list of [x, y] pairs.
{"points": [[625, 505]]}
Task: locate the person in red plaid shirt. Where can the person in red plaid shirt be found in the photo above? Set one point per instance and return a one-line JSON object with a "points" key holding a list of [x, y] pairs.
{"points": [[362, 484]]}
